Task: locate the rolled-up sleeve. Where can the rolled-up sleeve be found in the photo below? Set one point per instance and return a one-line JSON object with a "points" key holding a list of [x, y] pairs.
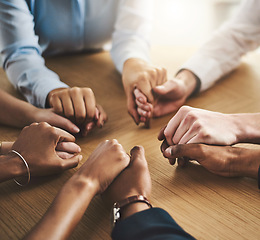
{"points": [[222, 52], [21, 53], [131, 36]]}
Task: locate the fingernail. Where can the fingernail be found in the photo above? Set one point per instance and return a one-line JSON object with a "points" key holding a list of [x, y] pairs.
{"points": [[80, 157], [79, 149], [76, 129], [168, 152], [140, 100]]}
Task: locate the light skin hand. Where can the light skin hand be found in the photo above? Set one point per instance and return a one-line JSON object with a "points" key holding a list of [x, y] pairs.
{"points": [[143, 76], [37, 144], [221, 160], [134, 180], [192, 125], [168, 97], [79, 106]]}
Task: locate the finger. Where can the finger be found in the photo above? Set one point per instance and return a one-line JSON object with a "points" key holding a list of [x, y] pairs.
{"points": [[191, 151], [67, 105], [88, 127], [69, 147], [56, 104], [131, 106], [164, 145], [172, 161], [63, 135], [139, 96], [145, 107], [72, 162], [61, 122], [102, 116], [182, 132], [146, 89], [136, 151], [173, 125], [147, 122], [182, 161], [90, 104], [161, 133], [64, 155], [189, 136], [78, 105], [142, 112], [167, 87]]}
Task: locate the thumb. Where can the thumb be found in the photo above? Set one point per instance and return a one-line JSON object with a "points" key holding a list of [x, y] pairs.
{"points": [[165, 88], [191, 151], [64, 123], [72, 162], [138, 156]]}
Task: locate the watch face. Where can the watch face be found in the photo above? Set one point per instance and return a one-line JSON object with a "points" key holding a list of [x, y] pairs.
{"points": [[115, 215]]}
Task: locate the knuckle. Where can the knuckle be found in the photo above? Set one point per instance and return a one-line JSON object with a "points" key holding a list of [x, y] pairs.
{"points": [[75, 90], [88, 91], [185, 109]]}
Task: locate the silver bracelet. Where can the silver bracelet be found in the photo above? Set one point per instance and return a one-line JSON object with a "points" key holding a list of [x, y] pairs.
{"points": [[27, 167]]}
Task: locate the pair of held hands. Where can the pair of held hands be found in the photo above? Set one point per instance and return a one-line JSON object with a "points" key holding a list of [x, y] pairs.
{"points": [[149, 94], [49, 150], [207, 137]]}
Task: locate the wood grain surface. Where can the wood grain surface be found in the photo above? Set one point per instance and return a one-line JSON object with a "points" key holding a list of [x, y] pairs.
{"points": [[205, 205]]}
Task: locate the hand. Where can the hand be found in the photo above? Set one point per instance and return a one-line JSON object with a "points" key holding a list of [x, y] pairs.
{"points": [[134, 180], [79, 106], [221, 160], [49, 116], [168, 97], [37, 144], [143, 76], [192, 125], [104, 164]]}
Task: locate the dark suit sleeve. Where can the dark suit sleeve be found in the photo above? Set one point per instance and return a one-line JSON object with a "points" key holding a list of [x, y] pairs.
{"points": [[151, 224]]}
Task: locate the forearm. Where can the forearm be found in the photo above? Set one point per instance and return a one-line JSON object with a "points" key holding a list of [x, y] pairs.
{"points": [[11, 166], [15, 112], [65, 212], [246, 163], [247, 127]]}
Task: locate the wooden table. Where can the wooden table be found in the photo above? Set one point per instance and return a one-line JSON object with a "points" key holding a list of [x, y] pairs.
{"points": [[205, 205]]}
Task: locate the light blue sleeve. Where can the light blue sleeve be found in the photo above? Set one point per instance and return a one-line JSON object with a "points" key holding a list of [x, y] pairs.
{"points": [[21, 53]]}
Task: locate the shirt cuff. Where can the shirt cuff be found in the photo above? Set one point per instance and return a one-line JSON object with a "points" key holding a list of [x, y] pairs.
{"points": [[150, 224], [205, 68]]}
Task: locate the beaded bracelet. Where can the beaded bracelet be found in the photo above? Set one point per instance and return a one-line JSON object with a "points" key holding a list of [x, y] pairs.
{"points": [[27, 167]]}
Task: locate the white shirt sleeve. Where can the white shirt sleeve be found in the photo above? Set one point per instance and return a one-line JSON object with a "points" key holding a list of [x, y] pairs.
{"points": [[131, 37], [222, 52]]}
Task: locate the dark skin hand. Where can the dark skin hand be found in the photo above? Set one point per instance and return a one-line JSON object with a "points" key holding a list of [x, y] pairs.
{"points": [[225, 161], [134, 180]]}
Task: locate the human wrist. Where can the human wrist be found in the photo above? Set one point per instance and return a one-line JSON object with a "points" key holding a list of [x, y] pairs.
{"points": [[133, 208], [246, 164], [190, 80], [6, 147], [247, 127], [83, 184], [14, 166]]}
